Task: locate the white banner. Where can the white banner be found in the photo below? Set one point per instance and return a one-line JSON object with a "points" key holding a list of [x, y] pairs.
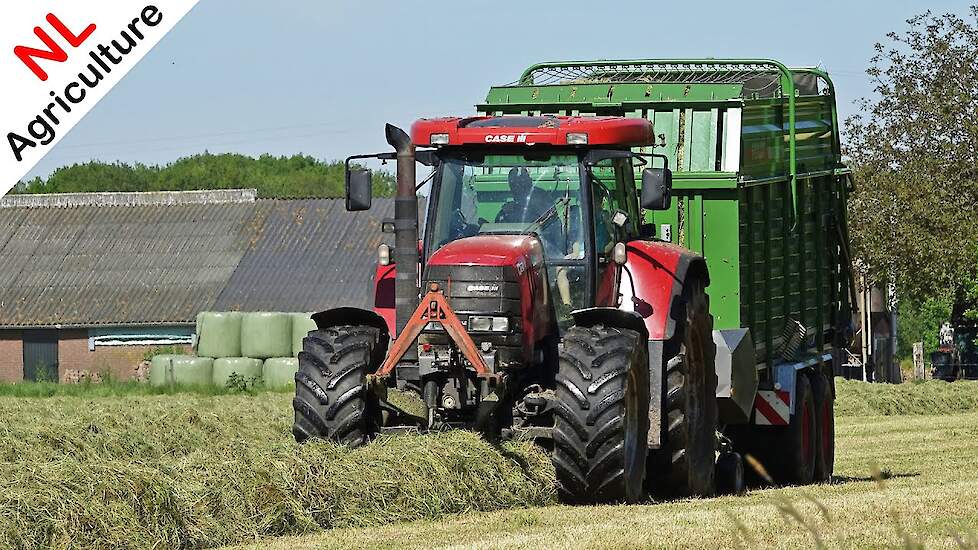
{"points": [[58, 59]]}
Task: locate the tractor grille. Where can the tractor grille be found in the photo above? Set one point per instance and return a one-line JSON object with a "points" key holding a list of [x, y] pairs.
{"points": [[478, 289], [482, 290]]}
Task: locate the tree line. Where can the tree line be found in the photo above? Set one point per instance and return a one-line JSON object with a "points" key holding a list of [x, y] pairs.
{"points": [[297, 176]]}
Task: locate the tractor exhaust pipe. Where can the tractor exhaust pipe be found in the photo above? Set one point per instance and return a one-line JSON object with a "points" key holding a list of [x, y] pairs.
{"points": [[406, 257]]}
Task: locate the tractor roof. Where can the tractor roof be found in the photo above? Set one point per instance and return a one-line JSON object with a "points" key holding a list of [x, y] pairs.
{"points": [[533, 130]]}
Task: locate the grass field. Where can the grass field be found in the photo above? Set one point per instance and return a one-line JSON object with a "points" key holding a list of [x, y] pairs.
{"points": [[191, 470]]}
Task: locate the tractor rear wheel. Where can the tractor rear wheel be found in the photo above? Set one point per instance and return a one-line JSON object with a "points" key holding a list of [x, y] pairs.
{"points": [[796, 452], [685, 465], [824, 428], [601, 423], [332, 400]]}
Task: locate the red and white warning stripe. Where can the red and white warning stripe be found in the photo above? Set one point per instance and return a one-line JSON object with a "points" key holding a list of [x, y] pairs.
{"points": [[773, 408]]}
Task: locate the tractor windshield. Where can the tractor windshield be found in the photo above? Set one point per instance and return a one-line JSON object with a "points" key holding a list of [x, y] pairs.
{"points": [[511, 194]]}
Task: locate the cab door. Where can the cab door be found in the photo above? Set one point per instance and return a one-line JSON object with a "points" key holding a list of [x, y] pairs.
{"points": [[613, 223]]}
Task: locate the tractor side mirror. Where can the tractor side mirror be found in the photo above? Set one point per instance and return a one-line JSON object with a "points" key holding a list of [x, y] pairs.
{"points": [[359, 189], [656, 188]]}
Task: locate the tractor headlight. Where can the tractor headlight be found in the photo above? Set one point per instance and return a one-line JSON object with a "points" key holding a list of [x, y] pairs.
{"points": [[488, 324], [500, 324], [439, 139], [480, 324], [577, 139]]}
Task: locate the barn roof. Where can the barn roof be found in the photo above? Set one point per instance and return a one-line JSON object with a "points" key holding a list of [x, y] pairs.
{"points": [[160, 258]]}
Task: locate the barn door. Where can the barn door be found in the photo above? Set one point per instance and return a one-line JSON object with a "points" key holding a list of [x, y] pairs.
{"points": [[41, 355]]}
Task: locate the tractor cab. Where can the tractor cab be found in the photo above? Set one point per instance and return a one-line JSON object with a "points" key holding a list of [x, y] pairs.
{"points": [[569, 182]]}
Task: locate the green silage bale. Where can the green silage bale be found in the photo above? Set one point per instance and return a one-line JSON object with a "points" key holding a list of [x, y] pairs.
{"points": [[219, 334], [302, 325], [248, 369], [279, 372], [191, 371], [266, 334], [160, 372]]}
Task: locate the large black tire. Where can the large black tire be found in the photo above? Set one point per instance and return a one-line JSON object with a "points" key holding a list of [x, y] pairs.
{"points": [[824, 427], [602, 422], [685, 465], [795, 461], [332, 400]]}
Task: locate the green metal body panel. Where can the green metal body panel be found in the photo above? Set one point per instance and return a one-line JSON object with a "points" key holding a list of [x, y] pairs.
{"points": [[759, 186]]}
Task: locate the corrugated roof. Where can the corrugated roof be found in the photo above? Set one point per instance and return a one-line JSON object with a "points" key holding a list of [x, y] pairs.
{"points": [[308, 256], [162, 264], [152, 198]]}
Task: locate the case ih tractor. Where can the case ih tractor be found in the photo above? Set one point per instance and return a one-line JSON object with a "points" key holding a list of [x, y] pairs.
{"points": [[559, 288]]}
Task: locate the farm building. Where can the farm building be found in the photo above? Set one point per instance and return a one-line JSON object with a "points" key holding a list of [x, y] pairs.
{"points": [[92, 282]]}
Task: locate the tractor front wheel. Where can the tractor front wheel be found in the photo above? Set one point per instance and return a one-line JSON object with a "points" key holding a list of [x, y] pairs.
{"points": [[332, 400], [602, 422]]}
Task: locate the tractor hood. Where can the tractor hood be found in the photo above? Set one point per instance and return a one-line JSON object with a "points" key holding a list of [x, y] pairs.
{"points": [[497, 276], [519, 251]]}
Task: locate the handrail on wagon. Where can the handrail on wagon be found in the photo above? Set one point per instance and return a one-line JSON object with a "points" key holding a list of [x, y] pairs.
{"points": [[721, 69]]}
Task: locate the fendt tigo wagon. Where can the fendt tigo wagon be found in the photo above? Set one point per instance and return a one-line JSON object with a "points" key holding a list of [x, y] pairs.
{"points": [[559, 289]]}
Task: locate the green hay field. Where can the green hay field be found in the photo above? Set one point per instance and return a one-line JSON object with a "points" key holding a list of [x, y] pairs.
{"points": [[191, 471]]}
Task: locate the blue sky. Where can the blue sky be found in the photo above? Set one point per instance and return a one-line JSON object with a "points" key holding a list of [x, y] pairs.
{"points": [[322, 77]]}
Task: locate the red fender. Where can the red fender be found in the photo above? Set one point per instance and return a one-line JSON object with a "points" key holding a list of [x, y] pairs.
{"points": [[658, 271], [384, 295]]}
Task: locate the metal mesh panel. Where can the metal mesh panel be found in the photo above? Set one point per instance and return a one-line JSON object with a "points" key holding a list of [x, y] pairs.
{"points": [[759, 78], [652, 72]]}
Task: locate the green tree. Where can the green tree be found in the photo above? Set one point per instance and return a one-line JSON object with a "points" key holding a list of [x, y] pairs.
{"points": [[914, 147], [921, 322], [297, 176]]}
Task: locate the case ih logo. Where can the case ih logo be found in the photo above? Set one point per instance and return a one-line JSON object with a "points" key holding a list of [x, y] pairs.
{"points": [[483, 288], [506, 138]]}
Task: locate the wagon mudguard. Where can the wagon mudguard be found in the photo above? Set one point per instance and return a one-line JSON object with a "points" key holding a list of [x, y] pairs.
{"points": [[653, 278]]}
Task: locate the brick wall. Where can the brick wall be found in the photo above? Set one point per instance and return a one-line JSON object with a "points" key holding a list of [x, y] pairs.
{"points": [[73, 351], [11, 356], [121, 361], [73, 354], [118, 361]]}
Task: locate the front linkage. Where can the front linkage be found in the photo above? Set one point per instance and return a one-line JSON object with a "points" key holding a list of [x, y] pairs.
{"points": [[342, 393], [434, 308]]}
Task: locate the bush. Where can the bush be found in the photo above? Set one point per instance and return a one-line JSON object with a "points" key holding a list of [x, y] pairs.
{"points": [[298, 176]]}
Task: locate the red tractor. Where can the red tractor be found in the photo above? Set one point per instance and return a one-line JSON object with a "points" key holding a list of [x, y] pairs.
{"points": [[511, 315]]}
